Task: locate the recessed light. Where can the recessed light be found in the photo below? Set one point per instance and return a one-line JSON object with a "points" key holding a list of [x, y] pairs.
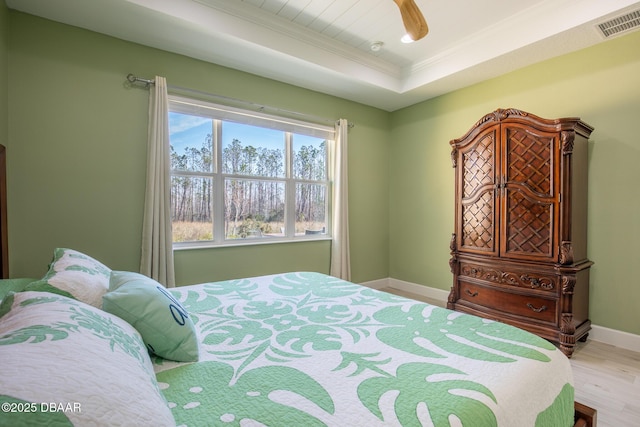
{"points": [[376, 46]]}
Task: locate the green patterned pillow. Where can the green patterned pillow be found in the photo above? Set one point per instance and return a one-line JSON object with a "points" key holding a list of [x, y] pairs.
{"points": [[148, 306], [76, 275], [67, 363], [13, 285]]}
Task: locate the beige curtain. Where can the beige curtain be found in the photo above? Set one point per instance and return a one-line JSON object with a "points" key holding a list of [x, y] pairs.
{"points": [[340, 259], [157, 242]]}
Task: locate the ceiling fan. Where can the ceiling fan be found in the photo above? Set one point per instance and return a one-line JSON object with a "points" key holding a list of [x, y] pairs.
{"points": [[413, 20]]}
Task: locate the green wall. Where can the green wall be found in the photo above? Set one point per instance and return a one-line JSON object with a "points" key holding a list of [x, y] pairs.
{"points": [[77, 156], [601, 85]]}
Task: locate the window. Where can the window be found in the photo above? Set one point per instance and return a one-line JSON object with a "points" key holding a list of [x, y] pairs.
{"points": [[241, 176]]}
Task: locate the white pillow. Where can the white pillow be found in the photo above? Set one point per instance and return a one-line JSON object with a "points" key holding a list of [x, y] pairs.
{"points": [[59, 353], [72, 273]]}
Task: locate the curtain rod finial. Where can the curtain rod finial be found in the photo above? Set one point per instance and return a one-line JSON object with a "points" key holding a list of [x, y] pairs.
{"points": [[135, 79]]}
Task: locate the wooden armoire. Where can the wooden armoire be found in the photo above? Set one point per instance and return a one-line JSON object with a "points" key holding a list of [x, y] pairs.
{"points": [[519, 250]]}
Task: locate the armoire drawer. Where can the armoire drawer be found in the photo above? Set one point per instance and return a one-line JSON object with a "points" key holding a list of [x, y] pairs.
{"points": [[510, 277], [533, 307]]}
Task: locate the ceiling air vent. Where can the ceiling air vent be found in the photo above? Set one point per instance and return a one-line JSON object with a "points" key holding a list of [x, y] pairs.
{"points": [[621, 24]]}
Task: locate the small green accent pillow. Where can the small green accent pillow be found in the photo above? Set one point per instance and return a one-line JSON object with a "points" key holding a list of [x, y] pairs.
{"points": [[76, 275], [13, 285], [163, 322]]}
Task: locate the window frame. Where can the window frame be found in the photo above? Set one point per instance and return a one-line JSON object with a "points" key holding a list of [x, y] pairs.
{"points": [[290, 127]]}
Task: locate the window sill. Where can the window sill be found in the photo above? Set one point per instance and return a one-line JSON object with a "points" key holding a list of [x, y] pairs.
{"points": [[247, 242]]}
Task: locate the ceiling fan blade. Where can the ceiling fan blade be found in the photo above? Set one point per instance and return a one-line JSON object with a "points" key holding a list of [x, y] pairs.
{"points": [[413, 20]]}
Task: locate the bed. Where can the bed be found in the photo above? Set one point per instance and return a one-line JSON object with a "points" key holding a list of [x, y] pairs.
{"points": [[86, 345]]}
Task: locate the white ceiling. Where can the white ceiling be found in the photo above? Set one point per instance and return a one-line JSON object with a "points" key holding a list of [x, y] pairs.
{"points": [[324, 45]]}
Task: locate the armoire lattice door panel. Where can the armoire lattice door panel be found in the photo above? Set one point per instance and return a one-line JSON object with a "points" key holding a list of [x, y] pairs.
{"points": [[531, 199], [478, 169], [529, 226], [518, 251], [529, 159], [478, 224], [478, 205]]}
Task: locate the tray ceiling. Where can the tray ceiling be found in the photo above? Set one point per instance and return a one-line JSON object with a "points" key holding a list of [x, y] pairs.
{"points": [[325, 45]]}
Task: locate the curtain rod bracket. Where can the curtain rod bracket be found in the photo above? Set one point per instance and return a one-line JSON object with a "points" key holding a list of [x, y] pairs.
{"points": [[134, 79]]}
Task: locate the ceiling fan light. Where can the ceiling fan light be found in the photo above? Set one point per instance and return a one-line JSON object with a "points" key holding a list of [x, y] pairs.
{"points": [[412, 18], [407, 38]]}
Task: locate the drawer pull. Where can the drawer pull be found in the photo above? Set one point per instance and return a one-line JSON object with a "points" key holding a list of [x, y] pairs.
{"points": [[472, 294], [537, 310]]}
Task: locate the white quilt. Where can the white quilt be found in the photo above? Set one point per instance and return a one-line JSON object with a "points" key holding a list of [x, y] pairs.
{"points": [[305, 349]]}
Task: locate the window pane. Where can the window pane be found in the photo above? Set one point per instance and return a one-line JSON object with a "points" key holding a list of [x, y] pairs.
{"points": [[252, 150], [191, 203], [309, 158], [253, 209], [191, 144], [311, 208]]}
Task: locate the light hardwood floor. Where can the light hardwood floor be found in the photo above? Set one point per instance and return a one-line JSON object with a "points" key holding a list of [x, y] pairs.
{"points": [[606, 378]]}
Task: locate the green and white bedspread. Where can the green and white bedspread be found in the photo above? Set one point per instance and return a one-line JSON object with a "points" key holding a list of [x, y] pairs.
{"points": [[306, 349]]}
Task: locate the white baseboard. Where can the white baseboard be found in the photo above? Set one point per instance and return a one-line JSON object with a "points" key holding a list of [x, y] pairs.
{"points": [[602, 334], [377, 284], [414, 288], [615, 337]]}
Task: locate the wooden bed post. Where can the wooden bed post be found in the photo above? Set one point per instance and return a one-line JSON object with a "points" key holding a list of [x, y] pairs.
{"points": [[585, 416], [4, 247]]}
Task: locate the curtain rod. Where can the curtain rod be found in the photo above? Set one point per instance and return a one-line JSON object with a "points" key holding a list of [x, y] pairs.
{"points": [[133, 79]]}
